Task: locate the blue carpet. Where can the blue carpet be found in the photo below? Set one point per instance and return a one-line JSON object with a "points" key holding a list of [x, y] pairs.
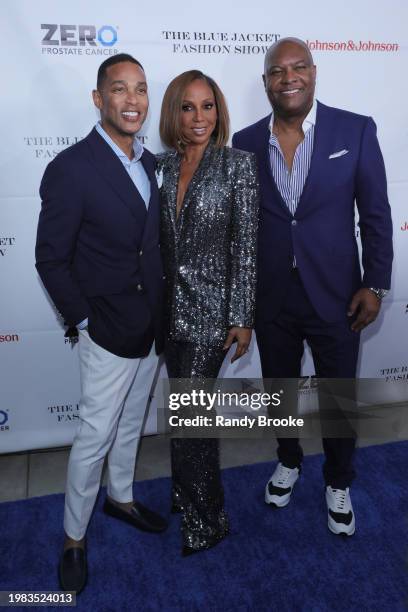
{"points": [[274, 560]]}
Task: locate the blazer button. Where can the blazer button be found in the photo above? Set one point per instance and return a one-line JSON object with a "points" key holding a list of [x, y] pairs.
{"points": [[294, 222], [140, 253], [139, 287]]}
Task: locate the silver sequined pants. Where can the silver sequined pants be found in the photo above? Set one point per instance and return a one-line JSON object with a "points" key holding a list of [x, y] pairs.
{"points": [[197, 486]]}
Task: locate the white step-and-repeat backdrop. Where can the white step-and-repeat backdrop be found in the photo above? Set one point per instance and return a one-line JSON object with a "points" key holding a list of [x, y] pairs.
{"points": [[50, 55]]}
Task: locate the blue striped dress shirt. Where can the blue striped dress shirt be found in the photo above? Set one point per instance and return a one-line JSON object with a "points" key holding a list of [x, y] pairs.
{"points": [[290, 184]]}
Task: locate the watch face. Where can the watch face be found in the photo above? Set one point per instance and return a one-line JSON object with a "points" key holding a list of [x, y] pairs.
{"points": [[380, 293]]}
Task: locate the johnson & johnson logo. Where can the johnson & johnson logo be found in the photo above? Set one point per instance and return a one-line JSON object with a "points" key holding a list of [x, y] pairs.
{"points": [[9, 338], [352, 45]]}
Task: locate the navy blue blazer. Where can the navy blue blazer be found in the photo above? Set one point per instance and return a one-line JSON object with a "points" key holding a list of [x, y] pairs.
{"points": [[98, 251], [321, 234]]}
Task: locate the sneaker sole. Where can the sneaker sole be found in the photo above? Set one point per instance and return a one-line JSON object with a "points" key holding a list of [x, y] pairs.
{"points": [[270, 502], [341, 531]]}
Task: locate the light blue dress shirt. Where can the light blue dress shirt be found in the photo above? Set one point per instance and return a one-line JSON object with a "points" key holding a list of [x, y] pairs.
{"points": [[134, 168]]}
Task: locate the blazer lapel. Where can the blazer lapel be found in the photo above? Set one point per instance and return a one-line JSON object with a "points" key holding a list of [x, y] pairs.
{"points": [[265, 166], [322, 132], [172, 169], [111, 170], [189, 202], [152, 219]]}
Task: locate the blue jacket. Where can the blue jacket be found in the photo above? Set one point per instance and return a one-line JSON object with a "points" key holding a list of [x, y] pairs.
{"points": [[97, 248], [321, 234]]}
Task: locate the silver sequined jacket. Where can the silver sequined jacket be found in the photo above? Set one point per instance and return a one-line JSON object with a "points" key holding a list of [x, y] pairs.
{"points": [[209, 252]]}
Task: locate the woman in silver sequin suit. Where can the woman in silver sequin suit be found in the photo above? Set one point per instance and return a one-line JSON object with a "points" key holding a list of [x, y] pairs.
{"points": [[209, 225]]}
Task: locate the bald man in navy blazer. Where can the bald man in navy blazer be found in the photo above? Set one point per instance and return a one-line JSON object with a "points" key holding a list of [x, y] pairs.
{"points": [[316, 164], [98, 256]]}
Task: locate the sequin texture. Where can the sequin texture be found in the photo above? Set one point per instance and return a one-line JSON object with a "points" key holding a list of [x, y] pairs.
{"points": [[197, 488], [209, 257], [209, 251]]}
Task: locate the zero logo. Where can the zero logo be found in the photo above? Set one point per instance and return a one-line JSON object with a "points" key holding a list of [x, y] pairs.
{"points": [[81, 35], [3, 417], [102, 36]]}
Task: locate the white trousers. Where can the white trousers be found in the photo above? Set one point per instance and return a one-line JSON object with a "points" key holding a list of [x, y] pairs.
{"points": [[115, 392]]}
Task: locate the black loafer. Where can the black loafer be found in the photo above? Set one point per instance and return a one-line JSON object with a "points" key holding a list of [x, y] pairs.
{"points": [[139, 516], [73, 570]]}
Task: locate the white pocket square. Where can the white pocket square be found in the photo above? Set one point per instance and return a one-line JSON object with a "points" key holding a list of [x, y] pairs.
{"points": [[338, 154], [159, 178]]}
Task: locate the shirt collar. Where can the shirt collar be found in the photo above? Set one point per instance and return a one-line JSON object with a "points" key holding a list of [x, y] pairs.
{"points": [[137, 145], [308, 121]]}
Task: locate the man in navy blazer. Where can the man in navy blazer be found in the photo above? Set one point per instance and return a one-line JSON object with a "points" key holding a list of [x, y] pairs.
{"points": [[316, 163], [98, 256]]}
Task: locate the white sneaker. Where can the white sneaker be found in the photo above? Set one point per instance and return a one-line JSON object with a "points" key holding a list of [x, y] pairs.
{"points": [[280, 485], [340, 511]]}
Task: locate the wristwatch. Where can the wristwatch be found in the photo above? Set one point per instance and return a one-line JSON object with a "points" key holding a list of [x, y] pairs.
{"points": [[380, 293]]}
